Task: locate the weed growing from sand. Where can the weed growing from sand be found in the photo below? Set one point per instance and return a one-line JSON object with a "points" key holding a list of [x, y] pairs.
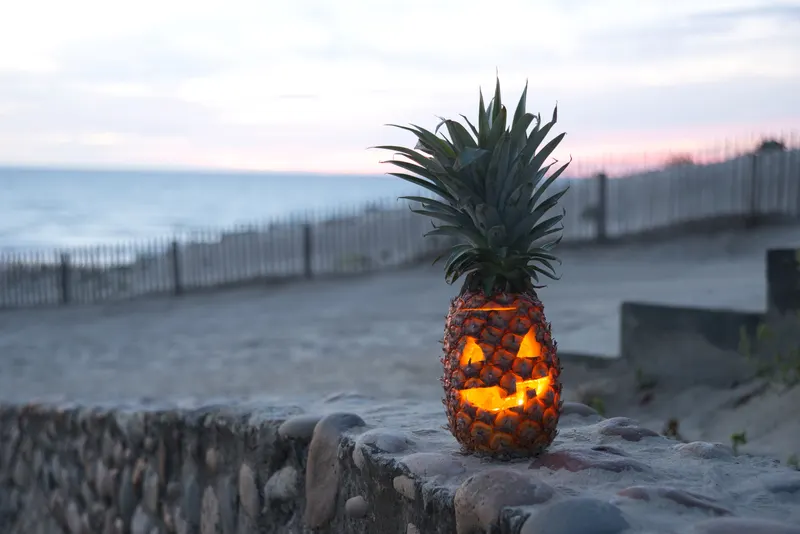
{"points": [[794, 462], [776, 354], [598, 404], [643, 382], [671, 430], [737, 439]]}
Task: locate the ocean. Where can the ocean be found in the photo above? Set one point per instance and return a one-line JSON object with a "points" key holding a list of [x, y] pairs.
{"points": [[51, 208]]}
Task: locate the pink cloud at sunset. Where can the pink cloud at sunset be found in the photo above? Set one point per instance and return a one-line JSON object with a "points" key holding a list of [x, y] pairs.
{"points": [[309, 85]]}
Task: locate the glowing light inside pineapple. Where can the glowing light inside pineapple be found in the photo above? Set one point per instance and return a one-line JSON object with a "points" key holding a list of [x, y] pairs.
{"points": [[495, 398], [488, 307]]}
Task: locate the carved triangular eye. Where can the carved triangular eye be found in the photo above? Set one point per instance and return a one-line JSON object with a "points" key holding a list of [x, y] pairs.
{"points": [[529, 347], [472, 352]]}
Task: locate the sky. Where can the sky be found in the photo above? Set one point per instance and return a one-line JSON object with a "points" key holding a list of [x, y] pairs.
{"points": [[310, 85]]}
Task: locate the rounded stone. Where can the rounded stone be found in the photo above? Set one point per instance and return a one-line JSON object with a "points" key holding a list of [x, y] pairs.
{"points": [[783, 482], [119, 454], [576, 514], [110, 523], [38, 460], [168, 517], [141, 523], [481, 497], [209, 513], [679, 496], [379, 440], [100, 476], [742, 525], [704, 450], [181, 524], [126, 499], [577, 408], [248, 491], [283, 485], [108, 485], [86, 492], [411, 528], [300, 427], [57, 506], [405, 487], [580, 459], [385, 440], [191, 502], [626, 428], [22, 473], [427, 464], [323, 469], [150, 491], [73, 518], [11, 443], [356, 507], [228, 504], [211, 459]]}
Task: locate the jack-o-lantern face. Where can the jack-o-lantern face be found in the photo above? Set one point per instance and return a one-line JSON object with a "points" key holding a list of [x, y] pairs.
{"points": [[501, 374], [496, 398]]}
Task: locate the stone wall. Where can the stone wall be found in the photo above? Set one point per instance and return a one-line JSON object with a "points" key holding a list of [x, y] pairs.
{"points": [[256, 470], [211, 470]]}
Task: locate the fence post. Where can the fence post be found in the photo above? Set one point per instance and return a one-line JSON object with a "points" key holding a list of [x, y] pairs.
{"points": [[602, 208], [308, 271], [64, 279], [175, 257], [752, 217], [783, 281]]}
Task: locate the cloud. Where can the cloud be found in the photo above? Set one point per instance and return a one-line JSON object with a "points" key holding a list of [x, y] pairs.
{"points": [[87, 107], [151, 58], [288, 85], [762, 32], [781, 11]]}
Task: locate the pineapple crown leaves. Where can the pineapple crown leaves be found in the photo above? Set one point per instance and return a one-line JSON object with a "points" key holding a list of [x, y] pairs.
{"points": [[491, 190]]}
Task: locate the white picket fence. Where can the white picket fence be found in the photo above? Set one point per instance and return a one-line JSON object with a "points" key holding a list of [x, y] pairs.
{"points": [[763, 185]]}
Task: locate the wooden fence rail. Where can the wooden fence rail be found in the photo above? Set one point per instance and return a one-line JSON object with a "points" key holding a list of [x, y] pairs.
{"points": [[386, 234]]}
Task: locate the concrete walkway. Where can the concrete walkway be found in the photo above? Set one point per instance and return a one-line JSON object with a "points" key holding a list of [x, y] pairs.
{"points": [[375, 334]]}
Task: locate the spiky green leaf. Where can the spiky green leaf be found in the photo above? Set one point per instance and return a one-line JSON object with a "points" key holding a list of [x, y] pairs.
{"points": [[494, 191], [420, 182], [467, 157]]}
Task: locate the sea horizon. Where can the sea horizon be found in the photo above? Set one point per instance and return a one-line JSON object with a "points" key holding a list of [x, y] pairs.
{"points": [[47, 207]]}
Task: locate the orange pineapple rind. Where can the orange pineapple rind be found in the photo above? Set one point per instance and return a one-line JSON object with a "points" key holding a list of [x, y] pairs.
{"points": [[492, 330]]}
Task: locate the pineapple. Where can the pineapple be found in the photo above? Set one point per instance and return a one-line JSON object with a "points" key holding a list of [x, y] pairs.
{"points": [[501, 370]]}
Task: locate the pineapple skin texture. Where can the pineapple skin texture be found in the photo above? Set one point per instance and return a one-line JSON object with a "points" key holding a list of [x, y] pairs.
{"points": [[519, 431]]}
